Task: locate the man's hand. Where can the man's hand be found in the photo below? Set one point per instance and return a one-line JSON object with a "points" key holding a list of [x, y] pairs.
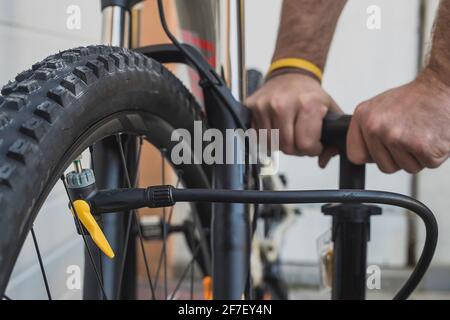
{"points": [[405, 128], [296, 105]]}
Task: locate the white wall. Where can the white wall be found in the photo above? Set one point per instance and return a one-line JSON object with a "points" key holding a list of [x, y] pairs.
{"points": [[30, 30]]}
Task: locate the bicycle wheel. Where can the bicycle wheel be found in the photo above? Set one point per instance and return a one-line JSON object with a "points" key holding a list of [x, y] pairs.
{"points": [[105, 100]]}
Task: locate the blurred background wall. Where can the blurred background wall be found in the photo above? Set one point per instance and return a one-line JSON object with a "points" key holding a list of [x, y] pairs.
{"points": [[362, 63]]}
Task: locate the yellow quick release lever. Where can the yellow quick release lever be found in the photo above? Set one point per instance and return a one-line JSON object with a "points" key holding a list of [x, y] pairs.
{"points": [[84, 214]]}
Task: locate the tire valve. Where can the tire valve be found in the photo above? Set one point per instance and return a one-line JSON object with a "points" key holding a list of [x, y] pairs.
{"points": [[77, 164]]}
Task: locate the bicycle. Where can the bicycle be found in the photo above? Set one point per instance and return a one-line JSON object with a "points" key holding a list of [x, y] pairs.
{"points": [[109, 99]]}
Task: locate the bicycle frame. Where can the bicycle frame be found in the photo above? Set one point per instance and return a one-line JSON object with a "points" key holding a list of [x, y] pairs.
{"points": [[223, 41]]}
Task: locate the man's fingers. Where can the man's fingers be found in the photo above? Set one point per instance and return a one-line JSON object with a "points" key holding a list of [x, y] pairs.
{"points": [[405, 160], [262, 120], [326, 156], [265, 120], [284, 122], [256, 120], [379, 153], [356, 146], [427, 153], [308, 129], [334, 107]]}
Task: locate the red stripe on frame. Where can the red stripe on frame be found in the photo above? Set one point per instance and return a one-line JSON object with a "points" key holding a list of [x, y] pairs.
{"points": [[202, 44]]}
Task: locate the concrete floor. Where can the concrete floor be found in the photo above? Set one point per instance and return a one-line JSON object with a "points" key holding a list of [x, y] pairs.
{"points": [[311, 294], [294, 294], [303, 282]]}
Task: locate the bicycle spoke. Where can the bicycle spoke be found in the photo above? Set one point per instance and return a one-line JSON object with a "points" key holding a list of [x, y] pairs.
{"points": [[163, 178], [141, 238], [147, 267], [192, 266], [203, 241], [130, 217], [192, 275], [99, 252], [160, 260], [41, 264], [124, 255], [185, 271], [91, 152], [80, 227], [100, 263], [136, 218]]}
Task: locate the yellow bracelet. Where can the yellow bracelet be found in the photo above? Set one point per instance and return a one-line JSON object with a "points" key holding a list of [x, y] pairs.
{"points": [[298, 64]]}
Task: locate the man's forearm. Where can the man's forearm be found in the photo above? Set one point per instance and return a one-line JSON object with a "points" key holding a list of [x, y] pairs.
{"points": [[307, 28], [439, 60]]}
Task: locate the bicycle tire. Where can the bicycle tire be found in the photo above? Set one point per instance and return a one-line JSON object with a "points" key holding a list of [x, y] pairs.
{"points": [[62, 105]]}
